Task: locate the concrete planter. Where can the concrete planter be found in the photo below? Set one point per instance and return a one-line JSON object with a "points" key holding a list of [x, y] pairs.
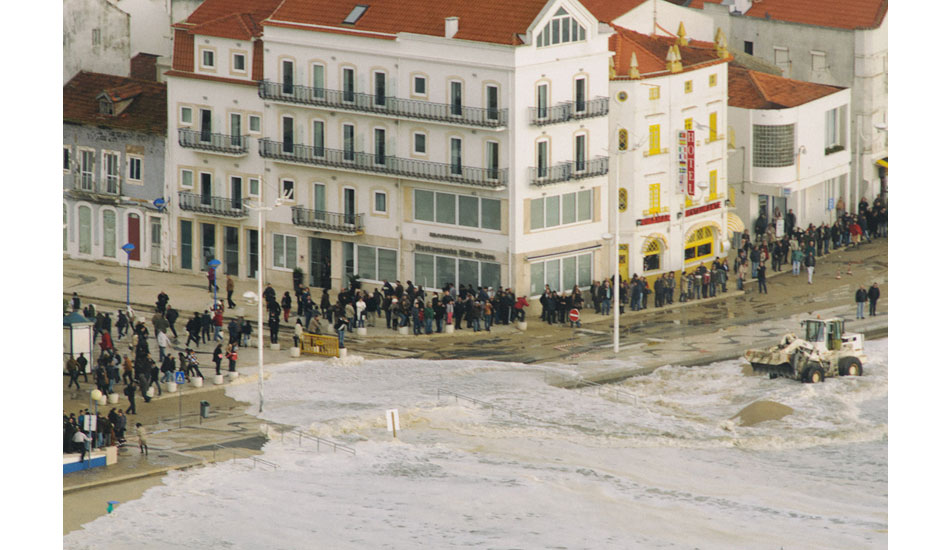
{"points": [[105, 399], [218, 379], [295, 352], [197, 382], [404, 330], [275, 347], [113, 398]]}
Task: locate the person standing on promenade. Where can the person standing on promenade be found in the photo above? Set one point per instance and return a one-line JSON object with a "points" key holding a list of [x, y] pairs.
{"points": [[163, 344], [860, 297], [874, 294], [216, 357], [143, 442], [246, 333], [286, 302], [229, 285], [81, 363], [205, 327], [763, 288], [810, 265], [212, 284], [231, 353]]}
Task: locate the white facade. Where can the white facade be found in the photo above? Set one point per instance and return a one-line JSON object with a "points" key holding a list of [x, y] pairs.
{"points": [[376, 194], [663, 228], [95, 38], [808, 176]]}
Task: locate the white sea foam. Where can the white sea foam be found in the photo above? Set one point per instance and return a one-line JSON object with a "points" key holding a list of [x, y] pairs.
{"points": [[654, 461]]}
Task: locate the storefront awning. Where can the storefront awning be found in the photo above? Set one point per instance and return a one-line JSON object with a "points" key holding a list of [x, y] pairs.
{"points": [[882, 162], [734, 223]]}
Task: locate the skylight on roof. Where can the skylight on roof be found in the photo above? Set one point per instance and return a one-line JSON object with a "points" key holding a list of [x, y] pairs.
{"points": [[355, 15]]}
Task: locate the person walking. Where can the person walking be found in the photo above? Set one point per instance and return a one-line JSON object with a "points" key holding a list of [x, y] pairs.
{"points": [[163, 344], [212, 284], [205, 327], [763, 288], [246, 330], [193, 328], [218, 322], [810, 265], [81, 443], [273, 323], [130, 393], [155, 377], [874, 294], [229, 285], [860, 297], [72, 367], [192, 360], [171, 315], [143, 442]]}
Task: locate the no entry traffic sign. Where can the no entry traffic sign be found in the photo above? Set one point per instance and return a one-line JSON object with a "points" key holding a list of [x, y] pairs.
{"points": [[574, 315]]}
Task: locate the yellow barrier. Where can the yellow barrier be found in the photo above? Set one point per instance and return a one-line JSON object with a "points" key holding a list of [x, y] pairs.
{"points": [[318, 344]]}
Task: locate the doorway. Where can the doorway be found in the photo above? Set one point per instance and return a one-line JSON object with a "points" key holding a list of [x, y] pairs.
{"points": [[155, 230], [134, 238], [319, 262], [231, 252]]}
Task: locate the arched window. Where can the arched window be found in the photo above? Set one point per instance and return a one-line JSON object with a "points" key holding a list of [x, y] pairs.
{"points": [[108, 233], [85, 230], [560, 30], [699, 245], [651, 255]]}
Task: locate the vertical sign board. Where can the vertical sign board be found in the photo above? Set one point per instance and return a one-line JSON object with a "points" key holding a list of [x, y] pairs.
{"points": [[690, 162], [681, 158]]}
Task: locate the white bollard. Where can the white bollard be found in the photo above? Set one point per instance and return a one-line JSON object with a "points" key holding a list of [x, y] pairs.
{"points": [[295, 352], [113, 398], [449, 329], [105, 399], [150, 392], [218, 379], [342, 352], [522, 325], [361, 331], [197, 382], [404, 330], [233, 375], [171, 387], [275, 347]]}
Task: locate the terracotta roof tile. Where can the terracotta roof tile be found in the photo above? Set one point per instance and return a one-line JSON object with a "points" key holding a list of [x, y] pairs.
{"points": [[147, 112], [238, 19], [754, 90], [608, 10], [841, 14], [651, 52], [495, 21]]}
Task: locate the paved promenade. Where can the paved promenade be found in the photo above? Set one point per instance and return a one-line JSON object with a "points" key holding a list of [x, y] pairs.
{"points": [[693, 333]]}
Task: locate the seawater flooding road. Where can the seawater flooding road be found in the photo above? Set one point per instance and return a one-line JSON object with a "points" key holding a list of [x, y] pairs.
{"points": [[663, 462]]}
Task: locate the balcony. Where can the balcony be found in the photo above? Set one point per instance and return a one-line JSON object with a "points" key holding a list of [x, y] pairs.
{"points": [[84, 186], [569, 110], [383, 105], [568, 171], [224, 144], [489, 178], [330, 222], [215, 206]]}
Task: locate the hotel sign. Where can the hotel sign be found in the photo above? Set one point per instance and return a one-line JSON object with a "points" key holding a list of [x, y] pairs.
{"points": [[687, 162], [701, 209]]}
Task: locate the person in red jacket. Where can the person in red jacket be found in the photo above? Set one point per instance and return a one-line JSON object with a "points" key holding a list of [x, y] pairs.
{"points": [[519, 307], [218, 322]]}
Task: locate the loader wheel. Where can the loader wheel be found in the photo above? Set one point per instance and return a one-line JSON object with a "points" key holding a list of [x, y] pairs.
{"points": [[813, 375], [850, 366]]}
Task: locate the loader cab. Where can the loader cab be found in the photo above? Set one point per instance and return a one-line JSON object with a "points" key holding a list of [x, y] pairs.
{"points": [[815, 331], [826, 333]]}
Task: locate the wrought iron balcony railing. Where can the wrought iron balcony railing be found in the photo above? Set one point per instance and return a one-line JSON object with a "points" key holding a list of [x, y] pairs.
{"points": [[567, 171], [334, 222], [209, 204], [384, 164], [569, 110], [108, 189], [212, 143], [387, 105]]}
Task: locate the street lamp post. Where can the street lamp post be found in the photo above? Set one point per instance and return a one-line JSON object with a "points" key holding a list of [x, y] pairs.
{"points": [[94, 397], [128, 248]]}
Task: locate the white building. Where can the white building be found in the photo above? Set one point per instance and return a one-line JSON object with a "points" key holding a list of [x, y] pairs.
{"points": [[791, 147], [843, 44], [95, 38], [664, 86], [409, 140]]}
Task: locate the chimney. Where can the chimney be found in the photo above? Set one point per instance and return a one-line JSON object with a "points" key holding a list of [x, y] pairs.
{"points": [[144, 66], [451, 26]]}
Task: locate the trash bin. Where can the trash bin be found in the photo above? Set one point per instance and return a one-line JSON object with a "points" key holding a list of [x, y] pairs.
{"points": [[205, 409]]}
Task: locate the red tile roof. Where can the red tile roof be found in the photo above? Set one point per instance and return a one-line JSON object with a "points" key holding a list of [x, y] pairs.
{"points": [[651, 51], [608, 10], [495, 21], [147, 112], [754, 90], [841, 14], [238, 19]]}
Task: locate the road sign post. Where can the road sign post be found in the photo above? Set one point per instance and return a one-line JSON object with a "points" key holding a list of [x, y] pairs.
{"points": [[392, 421], [180, 381]]}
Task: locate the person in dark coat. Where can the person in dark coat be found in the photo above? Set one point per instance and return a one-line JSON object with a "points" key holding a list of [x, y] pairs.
{"points": [[860, 297], [130, 393], [193, 328], [273, 322], [874, 294], [171, 315], [205, 327], [82, 362], [216, 357], [286, 302], [763, 288]]}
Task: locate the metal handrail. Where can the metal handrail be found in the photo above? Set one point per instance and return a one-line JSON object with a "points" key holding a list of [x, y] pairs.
{"points": [[569, 170], [617, 391], [210, 204], [234, 455], [301, 436], [491, 406], [371, 162], [566, 111], [389, 105], [329, 221], [207, 141], [262, 461]]}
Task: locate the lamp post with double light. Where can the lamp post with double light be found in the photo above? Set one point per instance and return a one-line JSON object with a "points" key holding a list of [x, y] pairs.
{"points": [[128, 248]]}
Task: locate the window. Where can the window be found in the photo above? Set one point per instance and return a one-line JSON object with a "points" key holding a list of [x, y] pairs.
{"points": [[688, 124], [654, 92], [65, 227], [747, 47], [287, 72], [379, 202], [319, 81], [254, 187], [135, 168], [580, 95], [622, 200], [96, 37], [834, 130], [85, 230], [713, 126], [713, 80], [782, 60], [651, 256], [348, 152], [452, 209], [491, 101], [561, 273], [773, 146], [654, 198], [349, 85], [87, 163], [187, 178], [456, 156], [379, 136], [541, 148], [288, 134], [419, 85], [355, 14], [491, 159], [375, 264], [235, 119], [819, 61], [207, 59], [184, 115], [237, 62], [105, 107], [654, 139], [379, 89], [287, 189], [713, 184], [688, 86], [561, 29], [419, 143], [185, 236], [436, 271], [542, 96], [285, 251], [456, 98], [699, 245], [66, 166], [561, 209], [580, 152], [254, 123], [108, 233], [318, 138], [110, 164]]}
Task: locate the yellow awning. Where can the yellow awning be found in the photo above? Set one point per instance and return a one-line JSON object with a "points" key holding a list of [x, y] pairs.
{"points": [[882, 162], [734, 223]]}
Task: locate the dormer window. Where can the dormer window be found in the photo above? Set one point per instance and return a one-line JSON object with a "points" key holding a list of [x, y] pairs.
{"points": [[561, 30], [355, 15], [105, 107]]}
